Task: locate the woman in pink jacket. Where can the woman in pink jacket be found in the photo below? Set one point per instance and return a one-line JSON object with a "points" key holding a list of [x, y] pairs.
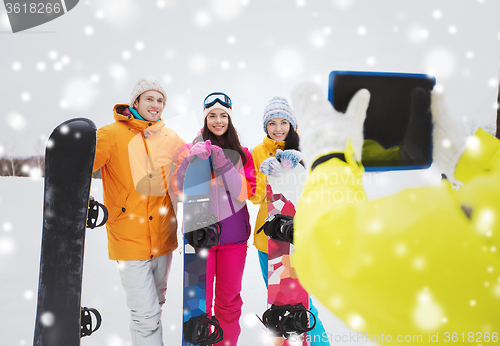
{"points": [[233, 182]]}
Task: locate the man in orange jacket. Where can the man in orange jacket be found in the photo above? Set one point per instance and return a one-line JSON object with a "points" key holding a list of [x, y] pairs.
{"points": [[136, 155]]}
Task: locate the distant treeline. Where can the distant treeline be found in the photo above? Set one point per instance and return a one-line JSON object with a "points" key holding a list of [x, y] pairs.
{"points": [[33, 166]]}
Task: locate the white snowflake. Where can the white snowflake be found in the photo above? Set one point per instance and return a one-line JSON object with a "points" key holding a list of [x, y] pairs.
{"points": [[317, 39], [16, 121], [126, 55], [342, 4], [88, 30], [79, 93], [300, 3], [231, 39], [437, 14], [452, 29], [226, 9], [118, 12], [25, 96], [17, 66], [361, 30], [198, 64], [371, 61], [417, 34], [202, 18], [28, 294], [427, 314], [167, 79], [118, 72], [40, 66], [53, 55], [47, 319], [225, 65], [140, 45], [99, 14], [94, 78], [440, 62], [7, 226], [356, 321], [288, 63], [7, 246], [58, 66]]}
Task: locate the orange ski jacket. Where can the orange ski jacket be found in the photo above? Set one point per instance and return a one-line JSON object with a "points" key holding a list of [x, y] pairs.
{"points": [[137, 160]]}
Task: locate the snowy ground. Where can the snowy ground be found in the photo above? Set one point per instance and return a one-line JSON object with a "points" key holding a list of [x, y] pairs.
{"points": [[21, 204]]}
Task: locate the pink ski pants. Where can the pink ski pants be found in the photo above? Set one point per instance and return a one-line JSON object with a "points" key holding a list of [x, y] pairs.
{"points": [[225, 265]]}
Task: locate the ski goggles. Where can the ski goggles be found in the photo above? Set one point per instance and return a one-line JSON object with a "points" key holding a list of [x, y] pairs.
{"points": [[222, 98]]}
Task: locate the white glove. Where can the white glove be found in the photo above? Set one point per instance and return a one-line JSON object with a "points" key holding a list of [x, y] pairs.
{"points": [[324, 130], [448, 137], [289, 158], [272, 167]]}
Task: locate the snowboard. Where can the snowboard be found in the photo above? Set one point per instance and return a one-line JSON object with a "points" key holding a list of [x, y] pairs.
{"points": [[284, 290], [199, 234], [69, 159]]}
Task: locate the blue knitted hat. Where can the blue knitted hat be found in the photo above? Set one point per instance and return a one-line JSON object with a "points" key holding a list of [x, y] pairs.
{"points": [[278, 107]]}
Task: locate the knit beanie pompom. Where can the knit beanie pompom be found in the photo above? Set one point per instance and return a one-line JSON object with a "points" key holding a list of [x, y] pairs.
{"points": [[278, 107]]}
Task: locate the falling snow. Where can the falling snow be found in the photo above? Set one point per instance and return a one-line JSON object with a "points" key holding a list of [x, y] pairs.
{"points": [[17, 121], [427, 315]]}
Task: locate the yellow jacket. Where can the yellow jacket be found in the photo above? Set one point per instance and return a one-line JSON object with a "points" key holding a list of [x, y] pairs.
{"points": [[410, 264], [136, 158], [261, 152]]}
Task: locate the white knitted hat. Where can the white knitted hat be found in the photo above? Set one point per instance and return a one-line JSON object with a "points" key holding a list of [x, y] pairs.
{"points": [[278, 107], [143, 85]]}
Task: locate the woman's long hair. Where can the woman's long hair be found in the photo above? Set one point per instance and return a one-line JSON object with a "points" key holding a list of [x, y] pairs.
{"points": [[229, 140], [292, 140]]}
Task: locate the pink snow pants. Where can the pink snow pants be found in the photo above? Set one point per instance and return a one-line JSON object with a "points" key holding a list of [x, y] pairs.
{"points": [[225, 265]]}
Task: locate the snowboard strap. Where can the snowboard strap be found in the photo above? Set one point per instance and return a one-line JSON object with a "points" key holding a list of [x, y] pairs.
{"points": [[287, 320], [278, 227], [206, 232], [86, 321], [203, 330], [93, 214]]}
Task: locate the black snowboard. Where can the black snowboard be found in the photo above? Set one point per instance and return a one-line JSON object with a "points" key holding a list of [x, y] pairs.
{"points": [[69, 159]]}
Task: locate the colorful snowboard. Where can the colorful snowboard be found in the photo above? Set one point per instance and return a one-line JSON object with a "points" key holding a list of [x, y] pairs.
{"points": [[69, 158], [196, 216], [283, 286]]}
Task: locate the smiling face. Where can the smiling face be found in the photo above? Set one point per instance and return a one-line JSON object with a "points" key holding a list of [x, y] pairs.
{"points": [[150, 105], [217, 122], [278, 128]]}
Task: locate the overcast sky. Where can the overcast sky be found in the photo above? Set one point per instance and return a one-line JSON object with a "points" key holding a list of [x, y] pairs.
{"points": [[83, 63]]}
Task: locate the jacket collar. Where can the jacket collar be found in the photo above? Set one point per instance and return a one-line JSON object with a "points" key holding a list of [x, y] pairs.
{"points": [[136, 124], [273, 145]]}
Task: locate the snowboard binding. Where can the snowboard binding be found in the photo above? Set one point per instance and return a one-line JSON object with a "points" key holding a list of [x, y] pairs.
{"points": [[203, 330], [86, 321], [205, 232], [93, 214], [287, 320], [278, 227]]}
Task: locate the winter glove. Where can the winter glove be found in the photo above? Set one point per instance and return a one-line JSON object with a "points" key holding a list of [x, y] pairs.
{"points": [[218, 157], [449, 138], [201, 150], [271, 167], [323, 129], [289, 158]]}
